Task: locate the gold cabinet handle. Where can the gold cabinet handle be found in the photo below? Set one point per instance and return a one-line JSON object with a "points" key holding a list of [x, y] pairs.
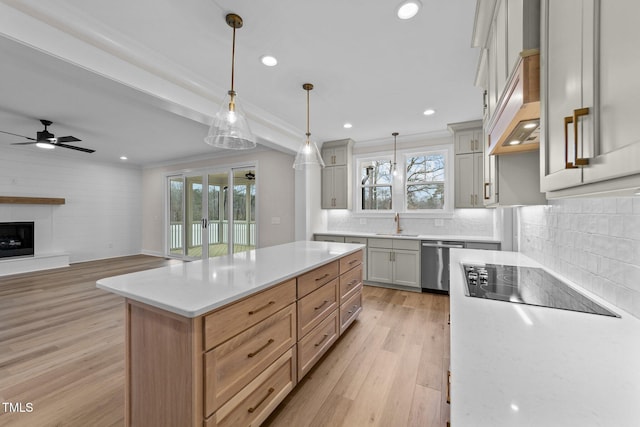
{"points": [[580, 112], [254, 311], [486, 185], [253, 408], [568, 164], [353, 261], [321, 341], [448, 386], [351, 283], [254, 353], [321, 305]]}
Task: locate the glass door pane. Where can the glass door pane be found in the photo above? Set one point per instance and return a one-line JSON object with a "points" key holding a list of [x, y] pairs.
{"points": [[218, 207], [193, 217], [244, 204], [175, 239]]}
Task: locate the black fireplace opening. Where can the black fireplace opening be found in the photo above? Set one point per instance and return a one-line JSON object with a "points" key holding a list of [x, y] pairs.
{"points": [[16, 239]]}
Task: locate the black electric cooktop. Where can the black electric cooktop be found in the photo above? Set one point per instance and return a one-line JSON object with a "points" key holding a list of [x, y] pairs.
{"points": [[526, 285]]}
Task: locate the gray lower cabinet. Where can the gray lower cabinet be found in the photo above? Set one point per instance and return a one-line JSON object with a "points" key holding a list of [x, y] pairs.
{"points": [[394, 261], [488, 246], [328, 238]]}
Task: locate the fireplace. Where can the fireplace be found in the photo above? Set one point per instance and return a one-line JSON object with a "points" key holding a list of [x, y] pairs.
{"points": [[16, 239]]}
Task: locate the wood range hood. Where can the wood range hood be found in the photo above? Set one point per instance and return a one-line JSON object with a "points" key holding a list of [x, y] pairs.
{"points": [[516, 125]]}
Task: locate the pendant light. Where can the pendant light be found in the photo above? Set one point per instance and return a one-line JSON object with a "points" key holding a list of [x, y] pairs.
{"points": [[395, 167], [308, 154], [230, 129]]}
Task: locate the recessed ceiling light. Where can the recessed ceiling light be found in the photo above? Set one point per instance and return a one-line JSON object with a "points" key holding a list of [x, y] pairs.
{"points": [[269, 60], [514, 142], [123, 157], [530, 125], [45, 145], [408, 9], [429, 112], [347, 125]]}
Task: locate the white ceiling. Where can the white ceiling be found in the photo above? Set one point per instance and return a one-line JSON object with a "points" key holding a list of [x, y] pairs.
{"points": [[143, 78]]}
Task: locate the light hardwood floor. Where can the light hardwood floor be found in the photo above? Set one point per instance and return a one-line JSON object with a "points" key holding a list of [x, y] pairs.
{"points": [[62, 350]]}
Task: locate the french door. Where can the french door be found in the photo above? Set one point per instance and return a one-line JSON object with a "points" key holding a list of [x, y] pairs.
{"points": [[211, 214]]}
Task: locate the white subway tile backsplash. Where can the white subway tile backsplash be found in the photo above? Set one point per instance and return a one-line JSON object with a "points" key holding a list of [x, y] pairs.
{"points": [[594, 242]]}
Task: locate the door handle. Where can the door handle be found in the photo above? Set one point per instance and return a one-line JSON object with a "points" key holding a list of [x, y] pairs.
{"points": [[580, 112]]}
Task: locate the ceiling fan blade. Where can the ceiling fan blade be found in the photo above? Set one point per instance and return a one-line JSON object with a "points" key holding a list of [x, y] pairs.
{"points": [[86, 150], [24, 143], [68, 139], [15, 134]]}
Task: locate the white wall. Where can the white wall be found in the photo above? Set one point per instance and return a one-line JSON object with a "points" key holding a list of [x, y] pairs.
{"points": [[593, 242], [101, 217], [274, 196]]}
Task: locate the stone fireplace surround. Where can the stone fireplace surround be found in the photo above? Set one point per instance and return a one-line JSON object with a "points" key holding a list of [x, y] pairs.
{"points": [[47, 253]]}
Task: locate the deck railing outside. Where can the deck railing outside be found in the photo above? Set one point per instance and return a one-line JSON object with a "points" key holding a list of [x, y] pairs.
{"points": [[244, 233]]}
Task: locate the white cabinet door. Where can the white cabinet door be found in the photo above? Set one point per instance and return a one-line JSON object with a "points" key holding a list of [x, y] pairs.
{"points": [[340, 187], [406, 268], [380, 267], [335, 156], [328, 187], [567, 87], [468, 141], [478, 173], [464, 184], [616, 152]]}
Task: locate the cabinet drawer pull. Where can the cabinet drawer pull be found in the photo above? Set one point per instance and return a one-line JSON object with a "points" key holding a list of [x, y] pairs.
{"points": [[568, 164], [351, 283], [271, 341], [486, 185], [353, 261], [252, 409], [324, 276], [254, 311], [321, 305], [354, 308], [322, 340], [580, 112]]}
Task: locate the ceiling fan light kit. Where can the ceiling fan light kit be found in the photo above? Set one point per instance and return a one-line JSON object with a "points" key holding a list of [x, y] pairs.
{"points": [[308, 153], [230, 129], [47, 140]]}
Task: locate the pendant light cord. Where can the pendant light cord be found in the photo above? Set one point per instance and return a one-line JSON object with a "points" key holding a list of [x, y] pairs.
{"points": [[308, 132], [233, 57]]}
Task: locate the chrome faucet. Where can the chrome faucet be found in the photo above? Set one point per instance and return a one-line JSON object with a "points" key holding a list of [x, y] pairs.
{"points": [[397, 221]]}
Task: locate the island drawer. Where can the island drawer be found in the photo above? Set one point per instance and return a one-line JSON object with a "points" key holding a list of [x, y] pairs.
{"points": [[312, 280], [253, 404], [350, 310], [316, 343], [350, 261], [235, 363], [313, 308], [349, 282], [227, 322]]}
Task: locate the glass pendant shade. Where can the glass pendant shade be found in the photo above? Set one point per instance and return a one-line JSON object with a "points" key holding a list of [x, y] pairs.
{"points": [[230, 129], [308, 155]]}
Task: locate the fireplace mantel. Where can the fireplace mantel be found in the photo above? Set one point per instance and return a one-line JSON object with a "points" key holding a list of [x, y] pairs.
{"points": [[32, 200]]}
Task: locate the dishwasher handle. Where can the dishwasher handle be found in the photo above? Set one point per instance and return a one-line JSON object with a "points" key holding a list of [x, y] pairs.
{"points": [[441, 245]]}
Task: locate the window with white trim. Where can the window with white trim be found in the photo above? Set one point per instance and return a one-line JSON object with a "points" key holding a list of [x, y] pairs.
{"points": [[423, 184], [425, 181], [376, 185]]}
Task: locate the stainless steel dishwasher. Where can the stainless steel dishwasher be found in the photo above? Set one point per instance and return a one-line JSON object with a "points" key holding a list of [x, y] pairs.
{"points": [[434, 265]]}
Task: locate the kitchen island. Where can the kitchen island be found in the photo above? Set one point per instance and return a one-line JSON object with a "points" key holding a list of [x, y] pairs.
{"points": [[522, 365], [223, 341]]}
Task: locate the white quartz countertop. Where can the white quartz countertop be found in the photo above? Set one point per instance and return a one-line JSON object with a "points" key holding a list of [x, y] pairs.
{"points": [[520, 365], [191, 289], [450, 237]]}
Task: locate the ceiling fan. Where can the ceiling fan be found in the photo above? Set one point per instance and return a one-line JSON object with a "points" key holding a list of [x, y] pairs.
{"points": [[45, 139]]}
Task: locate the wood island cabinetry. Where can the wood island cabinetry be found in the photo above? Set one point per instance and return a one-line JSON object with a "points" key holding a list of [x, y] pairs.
{"points": [[233, 365]]}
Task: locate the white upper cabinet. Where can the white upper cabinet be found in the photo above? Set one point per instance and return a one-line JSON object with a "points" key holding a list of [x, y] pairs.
{"points": [[590, 142], [336, 175]]}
